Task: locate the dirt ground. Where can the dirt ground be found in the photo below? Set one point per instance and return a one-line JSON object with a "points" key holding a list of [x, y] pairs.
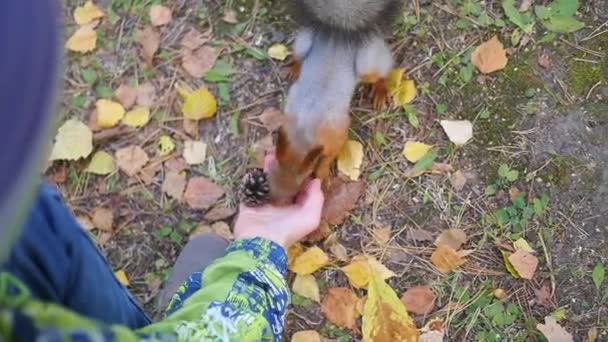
{"points": [[545, 115]]}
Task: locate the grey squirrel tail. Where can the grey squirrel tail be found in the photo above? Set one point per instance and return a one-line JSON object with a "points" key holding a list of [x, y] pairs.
{"points": [[349, 20]]}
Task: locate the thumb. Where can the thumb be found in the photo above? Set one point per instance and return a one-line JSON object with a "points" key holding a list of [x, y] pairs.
{"points": [[312, 197]]}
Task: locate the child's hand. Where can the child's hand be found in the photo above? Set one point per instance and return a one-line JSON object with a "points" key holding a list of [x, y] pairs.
{"points": [[284, 225]]}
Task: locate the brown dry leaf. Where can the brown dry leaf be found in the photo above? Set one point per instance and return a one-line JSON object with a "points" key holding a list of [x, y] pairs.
{"points": [[419, 300], [131, 159], [524, 263], [201, 193], [92, 123], [174, 185], [148, 173], [553, 331], [543, 297], [340, 307], [319, 234], [191, 127], [441, 169], [361, 268], [85, 222], [306, 336], [340, 199], [126, 95], [446, 259], [382, 235], [160, 15], [433, 331], [177, 164], [306, 286], [513, 193], [222, 229], [194, 39], [420, 235], [230, 16], [198, 62], [219, 213], [453, 238], [459, 180], [272, 118], [149, 39], [544, 61], [310, 261], [103, 219], [339, 251], [146, 94], [490, 56]]}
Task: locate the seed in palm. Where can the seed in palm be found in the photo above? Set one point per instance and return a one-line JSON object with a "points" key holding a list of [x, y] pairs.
{"points": [[254, 190]]}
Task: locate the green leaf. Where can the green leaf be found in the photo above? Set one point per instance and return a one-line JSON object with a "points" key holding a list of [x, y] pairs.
{"points": [[509, 265], [79, 101], [164, 232], [104, 92], [539, 207], [559, 314], [484, 114], [598, 275], [379, 138], [503, 170], [463, 24], [512, 175], [298, 300], [176, 237], [485, 20], [548, 38], [234, 123], [491, 190], [410, 112], [221, 72], [524, 21], [530, 92], [89, 75], [559, 16], [223, 92], [426, 162], [441, 108], [256, 53]]}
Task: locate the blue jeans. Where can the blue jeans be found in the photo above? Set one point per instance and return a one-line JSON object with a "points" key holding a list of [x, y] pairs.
{"points": [[59, 263]]}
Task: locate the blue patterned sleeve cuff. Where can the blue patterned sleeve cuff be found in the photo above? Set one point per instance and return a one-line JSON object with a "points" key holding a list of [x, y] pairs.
{"points": [[262, 250]]}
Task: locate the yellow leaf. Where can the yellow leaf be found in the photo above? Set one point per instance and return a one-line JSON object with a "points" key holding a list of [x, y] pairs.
{"points": [[446, 259], [306, 336], [393, 81], [199, 104], [306, 286], [102, 163], [293, 253], [74, 140], [109, 113], [360, 269], [350, 159], [122, 277], [508, 265], [137, 117], [278, 51], [522, 244], [310, 261], [384, 315], [458, 131], [414, 150], [87, 13], [83, 40], [406, 93], [165, 145]]}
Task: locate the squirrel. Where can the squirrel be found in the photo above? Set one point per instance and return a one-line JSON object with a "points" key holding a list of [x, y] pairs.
{"points": [[340, 44]]}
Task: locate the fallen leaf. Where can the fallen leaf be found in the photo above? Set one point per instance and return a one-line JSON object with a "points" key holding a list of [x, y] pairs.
{"points": [[131, 159], [145, 95], [458, 131], [272, 118], [446, 259], [306, 286], [191, 127], [441, 168], [149, 39], [103, 219], [148, 173], [350, 159], [414, 151], [174, 185], [137, 117], [126, 95], [293, 253], [319, 234], [83, 40], [419, 300], [524, 263], [406, 93], [122, 277], [384, 315], [165, 145], [433, 331], [508, 265], [382, 235], [198, 62], [200, 104], [101, 163], [359, 271], [306, 336], [543, 297], [194, 39], [87, 13], [109, 113], [219, 213], [420, 235], [222, 229], [489, 56], [544, 61], [278, 52], [201, 193], [459, 180], [394, 78], [592, 334], [85, 222], [500, 294], [522, 244], [554, 332], [310, 261], [453, 238], [340, 199], [74, 140], [339, 306], [195, 152], [160, 15], [176, 165], [230, 16], [339, 251], [513, 193]]}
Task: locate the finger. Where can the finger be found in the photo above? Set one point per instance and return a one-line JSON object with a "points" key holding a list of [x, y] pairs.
{"points": [[269, 159], [312, 196]]}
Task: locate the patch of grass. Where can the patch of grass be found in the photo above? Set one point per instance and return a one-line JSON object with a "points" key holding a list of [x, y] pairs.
{"points": [[582, 74]]}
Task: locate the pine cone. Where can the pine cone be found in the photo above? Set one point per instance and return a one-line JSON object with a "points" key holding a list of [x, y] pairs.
{"points": [[254, 190]]}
